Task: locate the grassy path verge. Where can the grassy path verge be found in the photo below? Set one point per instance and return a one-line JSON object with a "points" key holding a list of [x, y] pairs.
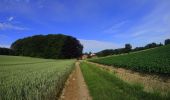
{"points": [[106, 86], [150, 82]]}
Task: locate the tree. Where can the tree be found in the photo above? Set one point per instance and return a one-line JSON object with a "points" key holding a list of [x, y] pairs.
{"points": [[6, 51], [128, 48], [151, 45], [71, 48], [48, 46], [138, 48], [160, 44], [167, 41], [105, 52]]}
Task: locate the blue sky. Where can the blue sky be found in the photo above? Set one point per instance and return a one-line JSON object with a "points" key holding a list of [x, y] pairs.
{"points": [[98, 24]]}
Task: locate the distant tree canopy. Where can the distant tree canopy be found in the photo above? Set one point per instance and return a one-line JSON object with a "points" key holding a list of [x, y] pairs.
{"points": [[151, 45], [126, 49], [6, 51], [48, 46], [105, 52], [167, 41]]}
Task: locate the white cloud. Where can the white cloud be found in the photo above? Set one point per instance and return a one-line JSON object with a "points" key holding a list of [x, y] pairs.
{"points": [[10, 18], [95, 45], [5, 46], [8, 26]]}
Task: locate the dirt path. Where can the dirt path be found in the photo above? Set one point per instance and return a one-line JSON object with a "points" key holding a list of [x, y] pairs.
{"points": [[75, 88], [150, 82]]}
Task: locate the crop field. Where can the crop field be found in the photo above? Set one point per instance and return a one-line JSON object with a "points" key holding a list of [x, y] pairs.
{"points": [[155, 60], [23, 78], [104, 85], [15, 60]]}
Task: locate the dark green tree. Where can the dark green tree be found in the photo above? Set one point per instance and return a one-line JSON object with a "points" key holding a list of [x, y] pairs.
{"points": [[48, 46], [105, 52], [128, 48], [151, 45], [6, 51], [71, 48], [167, 41]]}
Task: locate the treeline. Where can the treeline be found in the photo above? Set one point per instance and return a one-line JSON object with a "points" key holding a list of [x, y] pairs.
{"points": [[128, 48], [6, 51], [53, 46], [151, 45]]}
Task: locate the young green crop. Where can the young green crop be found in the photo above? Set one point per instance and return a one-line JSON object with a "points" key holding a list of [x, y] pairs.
{"points": [[31, 78], [155, 60], [107, 86], [16, 60]]}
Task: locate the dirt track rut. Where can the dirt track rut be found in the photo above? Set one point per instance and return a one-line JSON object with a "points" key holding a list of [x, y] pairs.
{"points": [[75, 88]]}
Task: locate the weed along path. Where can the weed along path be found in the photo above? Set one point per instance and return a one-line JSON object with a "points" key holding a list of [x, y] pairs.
{"points": [[75, 88]]}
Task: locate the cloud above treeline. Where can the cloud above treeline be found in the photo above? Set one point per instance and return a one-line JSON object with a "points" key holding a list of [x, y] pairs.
{"points": [[96, 46], [9, 26]]}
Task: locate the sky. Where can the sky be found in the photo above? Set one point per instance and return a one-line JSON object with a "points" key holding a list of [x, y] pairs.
{"points": [[97, 24]]}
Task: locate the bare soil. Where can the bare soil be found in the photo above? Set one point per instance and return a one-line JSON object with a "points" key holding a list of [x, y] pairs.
{"points": [[149, 82], [75, 87]]}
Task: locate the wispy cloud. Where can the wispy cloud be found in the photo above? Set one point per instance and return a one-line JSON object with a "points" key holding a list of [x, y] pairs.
{"points": [[95, 45], [154, 26], [10, 18], [115, 28], [9, 26], [139, 33]]}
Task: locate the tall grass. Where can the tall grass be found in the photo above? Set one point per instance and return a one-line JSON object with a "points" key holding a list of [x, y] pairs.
{"points": [[106, 86], [32, 78]]}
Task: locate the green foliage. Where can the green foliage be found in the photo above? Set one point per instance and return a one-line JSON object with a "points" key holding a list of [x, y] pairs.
{"points": [[26, 78], [71, 48], [48, 46], [167, 41], [128, 48], [6, 51], [155, 60], [106, 86], [151, 45], [106, 52]]}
